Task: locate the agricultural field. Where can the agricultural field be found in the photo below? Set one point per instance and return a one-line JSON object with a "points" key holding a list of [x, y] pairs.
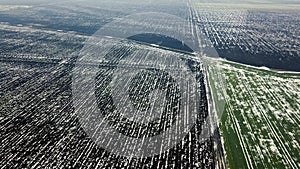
{"points": [[259, 35], [260, 123], [39, 124], [148, 80]]}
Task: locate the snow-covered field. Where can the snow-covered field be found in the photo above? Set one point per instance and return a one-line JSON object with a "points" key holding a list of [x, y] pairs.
{"points": [[9, 7]]}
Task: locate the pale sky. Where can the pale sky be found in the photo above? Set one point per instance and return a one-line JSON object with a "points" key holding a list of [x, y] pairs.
{"points": [[39, 2]]}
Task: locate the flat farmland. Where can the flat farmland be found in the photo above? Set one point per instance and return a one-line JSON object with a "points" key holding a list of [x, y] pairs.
{"points": [[260, 123]]}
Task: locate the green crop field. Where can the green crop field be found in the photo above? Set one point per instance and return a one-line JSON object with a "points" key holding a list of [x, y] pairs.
{"points": [[260, 122]]}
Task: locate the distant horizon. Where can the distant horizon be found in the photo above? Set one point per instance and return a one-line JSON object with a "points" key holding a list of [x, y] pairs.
{"points": [[40, 2]]}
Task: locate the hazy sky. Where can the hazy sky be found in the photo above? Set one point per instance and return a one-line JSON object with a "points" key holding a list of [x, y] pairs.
{"points": [[38, 2]]}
